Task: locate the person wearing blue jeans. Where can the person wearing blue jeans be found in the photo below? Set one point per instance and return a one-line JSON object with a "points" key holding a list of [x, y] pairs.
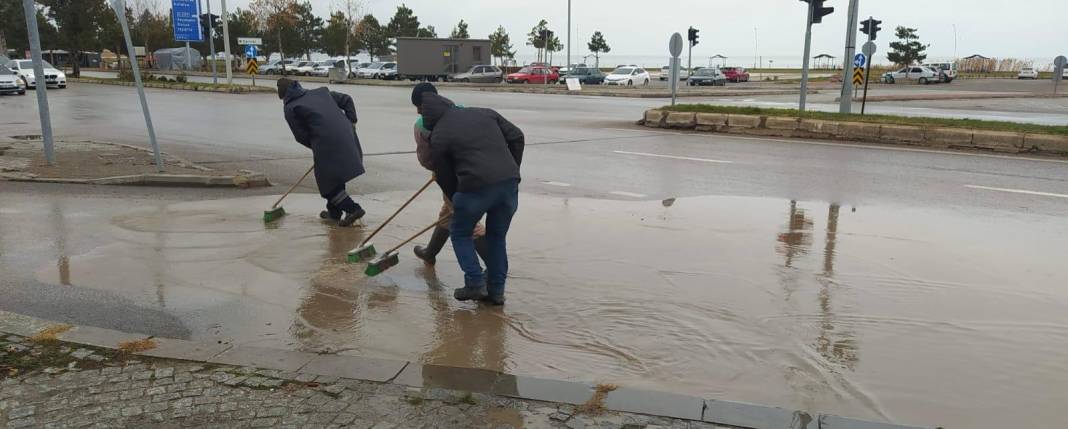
{"points": [[476, 154]]}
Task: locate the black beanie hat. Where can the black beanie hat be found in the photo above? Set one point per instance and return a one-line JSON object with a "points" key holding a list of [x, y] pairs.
{"points": [[283, 86], [417, 92]]}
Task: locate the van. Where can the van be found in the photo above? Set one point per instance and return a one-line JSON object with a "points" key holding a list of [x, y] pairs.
{"points": [[948, 70]]}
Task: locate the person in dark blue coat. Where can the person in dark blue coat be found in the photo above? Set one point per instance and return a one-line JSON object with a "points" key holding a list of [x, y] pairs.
{"points": [[325, 122]]}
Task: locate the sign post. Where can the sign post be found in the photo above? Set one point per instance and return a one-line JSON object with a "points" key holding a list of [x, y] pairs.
{"points": [[41, 88], [252, 68], [1058, 71], [119, 6], [869, 50], [675, 49], [185, 18]]}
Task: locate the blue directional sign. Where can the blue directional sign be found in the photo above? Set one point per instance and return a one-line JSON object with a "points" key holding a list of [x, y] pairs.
{"points": [[185, 17], [250, 51], [859, 60]]}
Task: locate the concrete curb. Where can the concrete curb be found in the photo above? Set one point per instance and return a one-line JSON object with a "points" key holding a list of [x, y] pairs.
{"points": [[200, 87], [253, 180], [895, 134], [413, 374]]}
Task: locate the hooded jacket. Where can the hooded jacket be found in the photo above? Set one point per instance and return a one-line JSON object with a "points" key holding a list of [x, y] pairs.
{"points": [[324, 122], [470, 148]]}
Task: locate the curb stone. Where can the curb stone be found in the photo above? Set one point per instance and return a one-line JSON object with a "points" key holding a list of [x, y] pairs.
{"points": [[253, 180], [293, 365]]}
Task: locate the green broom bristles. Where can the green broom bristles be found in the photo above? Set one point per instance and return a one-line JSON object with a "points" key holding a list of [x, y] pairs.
{"points": [[362, 253], [273, 214], [379, 265]]}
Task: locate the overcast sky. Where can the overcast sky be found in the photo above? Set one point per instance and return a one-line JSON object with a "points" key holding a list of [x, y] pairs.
{"points": [[996, 28]]}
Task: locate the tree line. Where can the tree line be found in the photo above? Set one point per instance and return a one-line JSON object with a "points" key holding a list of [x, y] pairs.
{"points": [[286, 26]]}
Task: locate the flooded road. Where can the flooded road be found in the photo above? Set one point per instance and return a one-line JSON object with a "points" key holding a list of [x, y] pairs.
{"points": [[948, 317]]}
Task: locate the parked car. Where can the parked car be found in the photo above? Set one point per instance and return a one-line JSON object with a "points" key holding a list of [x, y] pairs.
{"points": [[479, 74], [10, 82], [1028, 73], [628, 76], [533, 74], [708, 76], [303, 68], [369, 71], [684, 74], [920, 74], [565, 70], [24, 68], [356, 68], [388, 71], [948, 71], [275, 67], [736, 74], [585, 76], [322, 68]]}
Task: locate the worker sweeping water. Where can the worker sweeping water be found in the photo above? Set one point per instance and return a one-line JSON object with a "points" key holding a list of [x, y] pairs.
{"points": [[476, 154], [324, 121], [440, 235]]}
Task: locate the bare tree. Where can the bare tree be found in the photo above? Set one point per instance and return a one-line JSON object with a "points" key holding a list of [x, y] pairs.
{"points": [[276, 17], [352, 8]]}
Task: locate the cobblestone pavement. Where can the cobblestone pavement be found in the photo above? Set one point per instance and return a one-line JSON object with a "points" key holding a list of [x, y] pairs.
{"points": [[55, 385]]}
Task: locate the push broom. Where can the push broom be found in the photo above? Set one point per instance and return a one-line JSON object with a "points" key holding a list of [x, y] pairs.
{"points": [[276, 212], [366, 249], [391, 258]]}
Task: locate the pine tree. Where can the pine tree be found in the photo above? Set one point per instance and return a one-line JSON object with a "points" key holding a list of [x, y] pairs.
{"points": [[597, 46], [460, 31]]}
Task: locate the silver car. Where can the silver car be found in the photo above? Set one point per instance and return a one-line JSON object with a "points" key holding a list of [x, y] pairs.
{"points": [[480, 74]]}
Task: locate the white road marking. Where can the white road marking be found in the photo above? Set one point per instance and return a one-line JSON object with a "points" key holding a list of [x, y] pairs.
{"points": [[1017, 191], [560, 184], [858, 146], [685, 158], [628, 194]]}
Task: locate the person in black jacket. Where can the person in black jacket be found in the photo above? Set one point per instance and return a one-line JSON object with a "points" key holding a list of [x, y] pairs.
{"points": [[476, 155], [324, 121]]}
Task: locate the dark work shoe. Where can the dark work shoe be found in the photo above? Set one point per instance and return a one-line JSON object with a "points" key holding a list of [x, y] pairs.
{"points": [[326, 215], [469, 293], [422, 253], [351, 218], [494, 300]]}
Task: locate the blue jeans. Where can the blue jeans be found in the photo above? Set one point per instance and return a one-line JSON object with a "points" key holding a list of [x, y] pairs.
{"points": [[498, 202]]}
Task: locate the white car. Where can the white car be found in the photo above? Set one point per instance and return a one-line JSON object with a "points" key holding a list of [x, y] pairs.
{"points": [[627, 76], [922, 75], [684, 74], [10, 82], [303, 68], [322, 68], [1028, 73], [24, 68], [388, 71], [369, 71], [948, 70]]}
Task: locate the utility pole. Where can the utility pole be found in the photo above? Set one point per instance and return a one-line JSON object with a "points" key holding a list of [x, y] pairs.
{"points": [[41, 87], [846, 104], [568, 36], [211, 44], [226, 44], [816, 12]]}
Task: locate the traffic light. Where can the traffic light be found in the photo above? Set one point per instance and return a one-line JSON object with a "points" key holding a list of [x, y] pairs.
{"points": [[870, 27], [818, 11], [692, 36], [207, 24]]}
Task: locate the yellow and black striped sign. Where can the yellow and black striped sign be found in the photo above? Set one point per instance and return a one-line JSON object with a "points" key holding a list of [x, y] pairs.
{"points": [[858, 76], [252, 67]]}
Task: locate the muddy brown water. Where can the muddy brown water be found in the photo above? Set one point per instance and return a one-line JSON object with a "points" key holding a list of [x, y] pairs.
{"points": [[920, 316]]}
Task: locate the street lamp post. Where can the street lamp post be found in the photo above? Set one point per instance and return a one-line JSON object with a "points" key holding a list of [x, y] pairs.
{"points": [[569, 36]]}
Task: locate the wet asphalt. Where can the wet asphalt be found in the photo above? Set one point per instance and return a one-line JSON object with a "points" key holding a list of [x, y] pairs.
{"points": [[855, 275]]}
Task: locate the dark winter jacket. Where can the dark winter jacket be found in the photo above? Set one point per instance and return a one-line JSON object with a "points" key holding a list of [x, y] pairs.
{"points": [[470, 148], [324, 122]]}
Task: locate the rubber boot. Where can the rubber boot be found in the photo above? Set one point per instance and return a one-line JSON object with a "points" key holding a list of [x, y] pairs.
{"points": [[429, 253]]}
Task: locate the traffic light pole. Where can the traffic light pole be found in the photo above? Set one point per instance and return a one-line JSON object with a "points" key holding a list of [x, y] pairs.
{"points": [[211, 45], [40, 86], [226, 45], [846, 103], [804, 61], [689, 62]]}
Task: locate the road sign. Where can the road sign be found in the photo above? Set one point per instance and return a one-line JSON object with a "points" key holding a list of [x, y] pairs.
{"points": [[185, 17], [859, 60], [869, 49], [250, 51], [675, 46], [252, 68], [858, 76], [249, 41]]}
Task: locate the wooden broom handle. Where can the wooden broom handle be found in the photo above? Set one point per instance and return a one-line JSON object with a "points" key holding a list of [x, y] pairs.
{"points": [[383, 225], [291, 188], [421, 232]]}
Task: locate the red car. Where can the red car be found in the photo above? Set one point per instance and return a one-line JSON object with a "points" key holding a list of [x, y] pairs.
{"points": [[735, 74], [534, 74]]}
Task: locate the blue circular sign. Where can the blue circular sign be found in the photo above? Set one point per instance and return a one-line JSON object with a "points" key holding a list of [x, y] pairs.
{"points": [[859, 60]]}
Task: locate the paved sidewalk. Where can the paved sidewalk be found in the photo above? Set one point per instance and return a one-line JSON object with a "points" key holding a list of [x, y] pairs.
{"points": [[50, 384]]}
